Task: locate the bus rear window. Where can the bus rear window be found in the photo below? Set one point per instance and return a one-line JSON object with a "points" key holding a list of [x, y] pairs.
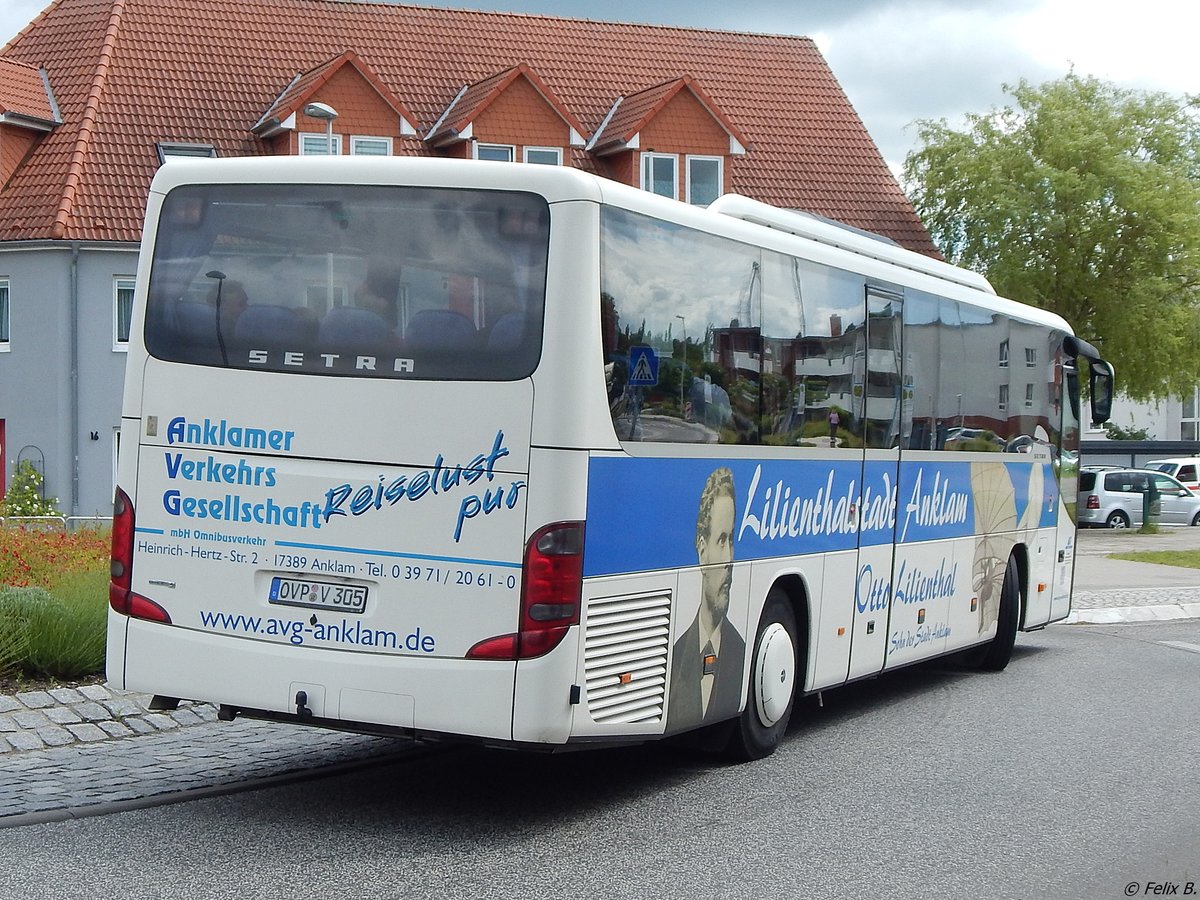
{"points": [[369, 281]]}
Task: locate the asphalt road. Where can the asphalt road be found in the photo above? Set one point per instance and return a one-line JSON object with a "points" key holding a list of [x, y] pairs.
{"points": [[1072, 774]]}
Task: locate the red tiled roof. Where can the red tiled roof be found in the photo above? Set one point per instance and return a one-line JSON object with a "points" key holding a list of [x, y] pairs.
{"points": [[23, 93], [631, 114], [304, 85], [475, 98], [128, 74]]}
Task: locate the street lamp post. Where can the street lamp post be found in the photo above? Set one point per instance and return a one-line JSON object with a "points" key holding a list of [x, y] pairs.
{"points": [[326, 113]]}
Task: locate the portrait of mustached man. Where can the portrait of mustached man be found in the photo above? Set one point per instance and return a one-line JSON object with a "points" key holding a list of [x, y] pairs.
{"points": [[706, 670]]}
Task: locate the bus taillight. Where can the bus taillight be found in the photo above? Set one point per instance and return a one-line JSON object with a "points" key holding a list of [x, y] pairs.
{"points": [[120, 594], [551, 585]]}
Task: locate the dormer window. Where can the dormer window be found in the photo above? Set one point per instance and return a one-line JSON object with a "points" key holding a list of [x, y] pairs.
{"points": [[676, 138], [544, 156], [496, 152], [361, 145], [177, 150], [489, 119], [660, 174], [705, 177], [367, 104], [318, 144]]}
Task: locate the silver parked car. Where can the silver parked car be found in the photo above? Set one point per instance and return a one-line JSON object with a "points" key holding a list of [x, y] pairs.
{"points": [[1113, 498]]}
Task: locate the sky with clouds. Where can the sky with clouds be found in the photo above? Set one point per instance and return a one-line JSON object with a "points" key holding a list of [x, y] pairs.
{"points": [[902, 60]]}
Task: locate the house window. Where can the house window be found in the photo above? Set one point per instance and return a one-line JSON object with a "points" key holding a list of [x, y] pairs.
{"points": [[122, 311], [172, 150], [544, 156], [496, 152], [660, 174], [1030, 357], [1029, 395], [4, 344], [1004, 354], [1003, 401], [1189, 424], [318, 144], [704, 179], [370, 146]]}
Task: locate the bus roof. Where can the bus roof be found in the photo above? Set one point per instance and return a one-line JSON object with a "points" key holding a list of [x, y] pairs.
{"points": [[847, 238]]}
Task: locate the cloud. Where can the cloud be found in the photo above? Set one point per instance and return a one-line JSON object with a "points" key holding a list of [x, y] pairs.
{"points": [[903, 61], [15, 15], [1150, 46], [932, 60]]}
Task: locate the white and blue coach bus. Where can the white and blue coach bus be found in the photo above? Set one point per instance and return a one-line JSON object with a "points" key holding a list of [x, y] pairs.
{"points": [[520, 455]]}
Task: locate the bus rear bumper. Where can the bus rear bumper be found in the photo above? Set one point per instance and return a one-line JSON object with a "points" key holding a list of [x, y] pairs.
{"points": [[402, 694]]}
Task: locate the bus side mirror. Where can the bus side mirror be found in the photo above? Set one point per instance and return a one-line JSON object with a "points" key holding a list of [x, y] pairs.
{"points": [[1101, 388]]}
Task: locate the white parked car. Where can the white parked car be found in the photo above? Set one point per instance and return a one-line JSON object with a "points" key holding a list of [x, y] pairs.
{"points": [[1113, 498], [1185, 468]]}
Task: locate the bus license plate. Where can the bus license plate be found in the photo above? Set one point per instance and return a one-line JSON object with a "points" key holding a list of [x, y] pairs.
{"points": [[318, 594]]}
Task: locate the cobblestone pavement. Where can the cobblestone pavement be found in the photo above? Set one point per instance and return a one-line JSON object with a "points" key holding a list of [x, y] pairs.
{"points": [[1110, 590], [69, 752], [34, 720], [1133, 605], [89, 778]]}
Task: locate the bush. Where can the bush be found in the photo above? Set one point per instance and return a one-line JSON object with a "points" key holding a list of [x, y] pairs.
{"points": [[66, 637], [21, 609], [1115, 432], [53, 603], [24, 497]]}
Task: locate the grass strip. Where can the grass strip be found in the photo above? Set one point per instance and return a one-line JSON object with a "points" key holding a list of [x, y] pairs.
{"points": [[1187, 558]]}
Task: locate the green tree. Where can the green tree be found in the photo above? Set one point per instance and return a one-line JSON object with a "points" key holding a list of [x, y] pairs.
{"points": [[1116, 432], [1084, 199]]}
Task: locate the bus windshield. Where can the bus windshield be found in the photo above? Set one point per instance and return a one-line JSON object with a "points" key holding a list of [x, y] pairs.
{"points": [[355, 280]]}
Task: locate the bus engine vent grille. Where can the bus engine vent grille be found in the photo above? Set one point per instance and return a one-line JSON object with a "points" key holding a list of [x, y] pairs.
{"points": [[625, 657]]}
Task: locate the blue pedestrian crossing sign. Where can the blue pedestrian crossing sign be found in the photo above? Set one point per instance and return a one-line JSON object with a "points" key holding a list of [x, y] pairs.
{"points": [[643, 367]]}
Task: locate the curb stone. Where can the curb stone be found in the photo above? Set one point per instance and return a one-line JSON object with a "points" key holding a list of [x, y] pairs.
{"points": [[59, 717]]}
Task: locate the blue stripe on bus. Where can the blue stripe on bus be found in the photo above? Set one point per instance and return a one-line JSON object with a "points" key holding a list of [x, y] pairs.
{"points": [[394, 554], [642, 512]]}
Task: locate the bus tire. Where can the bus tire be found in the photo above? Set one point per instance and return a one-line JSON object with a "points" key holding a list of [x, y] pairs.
{"points": [[995, 655], [772, 692]]}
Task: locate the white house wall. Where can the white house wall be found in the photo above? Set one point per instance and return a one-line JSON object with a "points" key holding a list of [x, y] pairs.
{"points": [[1161, 419]]}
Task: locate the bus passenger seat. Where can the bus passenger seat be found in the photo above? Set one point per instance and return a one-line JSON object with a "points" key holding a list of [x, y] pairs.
{"points": [[507, 332], [269, 325], [197, 322], [440, 329], [353, 328]]}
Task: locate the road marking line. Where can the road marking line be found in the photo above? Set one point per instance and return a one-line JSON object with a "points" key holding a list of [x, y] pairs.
{"points": [[1182, 645]]}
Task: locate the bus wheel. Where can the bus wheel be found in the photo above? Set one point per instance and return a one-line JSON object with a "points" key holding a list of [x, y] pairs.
{"points": [[994, 656], [757, 732]]}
